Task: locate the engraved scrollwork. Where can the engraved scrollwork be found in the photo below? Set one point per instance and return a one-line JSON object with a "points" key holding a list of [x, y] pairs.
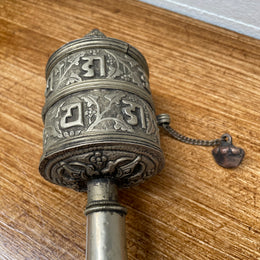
{"points": [[96, 115], [63, 73], [92, 166], [100, 111], [97, 164], [95, 63], [125, 168], [105, 120], [123, 67]]}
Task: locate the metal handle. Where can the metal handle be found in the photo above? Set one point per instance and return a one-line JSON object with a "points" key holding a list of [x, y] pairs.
{"points": [[105, 222]]}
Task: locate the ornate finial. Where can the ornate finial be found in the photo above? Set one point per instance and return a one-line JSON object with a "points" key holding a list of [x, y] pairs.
{"points": [[95, 34]]}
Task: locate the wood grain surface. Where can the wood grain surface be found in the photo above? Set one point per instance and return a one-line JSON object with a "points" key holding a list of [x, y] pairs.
{"points": [[205, 77]]}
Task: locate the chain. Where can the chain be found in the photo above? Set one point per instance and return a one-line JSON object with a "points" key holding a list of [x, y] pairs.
{"points": [[164, 121], [225, 154]]}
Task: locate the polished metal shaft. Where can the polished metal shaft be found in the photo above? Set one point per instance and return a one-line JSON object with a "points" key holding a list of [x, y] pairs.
{"points": [[106, 238]]}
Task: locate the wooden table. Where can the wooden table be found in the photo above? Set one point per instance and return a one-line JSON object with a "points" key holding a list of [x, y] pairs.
{"points": [[205, 77]]}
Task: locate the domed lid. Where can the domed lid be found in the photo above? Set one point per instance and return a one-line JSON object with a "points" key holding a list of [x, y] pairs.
{"points": [[95, 39]]}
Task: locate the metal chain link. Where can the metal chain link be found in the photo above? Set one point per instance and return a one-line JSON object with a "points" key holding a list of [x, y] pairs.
{"points": [[189, 140], [164, 121]]}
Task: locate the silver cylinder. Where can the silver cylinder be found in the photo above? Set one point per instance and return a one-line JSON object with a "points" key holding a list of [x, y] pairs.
{"points": [[106, 238], [99, 115]]}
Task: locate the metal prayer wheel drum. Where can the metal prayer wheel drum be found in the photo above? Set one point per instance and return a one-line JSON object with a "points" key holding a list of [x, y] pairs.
{"points": [[99, 115]]}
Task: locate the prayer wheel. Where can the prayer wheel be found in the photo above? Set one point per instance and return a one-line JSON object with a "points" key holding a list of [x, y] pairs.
{"points": [[100, 132]]}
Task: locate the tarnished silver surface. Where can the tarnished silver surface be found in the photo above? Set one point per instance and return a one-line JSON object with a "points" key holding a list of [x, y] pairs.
{"points": [[99, 115], [106, 238], [100, 132]]}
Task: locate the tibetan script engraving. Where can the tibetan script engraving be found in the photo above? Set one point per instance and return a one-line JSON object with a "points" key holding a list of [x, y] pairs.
{"points": [[91, 68], [73, 116], [133, 107]]}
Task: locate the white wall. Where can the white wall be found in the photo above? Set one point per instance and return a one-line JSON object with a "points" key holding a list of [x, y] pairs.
{"points": [[242, 16]]}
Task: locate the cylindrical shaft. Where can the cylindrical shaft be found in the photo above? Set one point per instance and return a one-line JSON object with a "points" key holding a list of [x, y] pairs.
{"points": [[105, 222]]}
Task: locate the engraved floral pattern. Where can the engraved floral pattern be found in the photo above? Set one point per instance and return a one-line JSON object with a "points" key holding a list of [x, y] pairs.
{"points": [[117, 66], [102, 111], [63, 72], [96, 164], [98, 159]]}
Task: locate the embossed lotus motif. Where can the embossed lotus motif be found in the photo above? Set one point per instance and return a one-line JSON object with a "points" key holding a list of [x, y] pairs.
{"points": [[97, 165]]}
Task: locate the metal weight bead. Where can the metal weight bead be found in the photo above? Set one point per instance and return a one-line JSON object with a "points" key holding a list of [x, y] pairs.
{"points": [[100, 132]]}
